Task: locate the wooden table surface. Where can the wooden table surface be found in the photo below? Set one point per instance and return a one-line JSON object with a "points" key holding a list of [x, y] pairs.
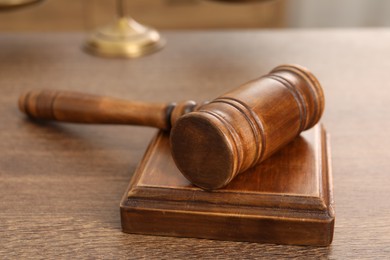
{"points": [[61, 184]]}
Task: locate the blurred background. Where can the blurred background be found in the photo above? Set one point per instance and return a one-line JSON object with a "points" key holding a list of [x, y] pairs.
{"points": [[85, 15]]}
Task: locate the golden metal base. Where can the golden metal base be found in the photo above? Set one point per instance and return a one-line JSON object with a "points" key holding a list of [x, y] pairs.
{"points": [[125, 38], [6, 5]]}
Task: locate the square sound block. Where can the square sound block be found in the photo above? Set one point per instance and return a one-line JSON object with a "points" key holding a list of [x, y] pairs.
{"points": [[287, 199]]}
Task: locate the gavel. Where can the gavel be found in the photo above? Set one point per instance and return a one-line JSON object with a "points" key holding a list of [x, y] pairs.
{"points": [[211, 142]]}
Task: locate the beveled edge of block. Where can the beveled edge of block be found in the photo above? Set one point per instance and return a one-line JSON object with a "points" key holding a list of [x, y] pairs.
{"points": [[227, 197]]}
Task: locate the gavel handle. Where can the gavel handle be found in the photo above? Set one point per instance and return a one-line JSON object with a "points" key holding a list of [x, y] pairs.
{"points": [[77, 107]]}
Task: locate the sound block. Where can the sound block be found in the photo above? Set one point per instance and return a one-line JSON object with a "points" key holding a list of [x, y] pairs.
{"points": [[287, 199]]}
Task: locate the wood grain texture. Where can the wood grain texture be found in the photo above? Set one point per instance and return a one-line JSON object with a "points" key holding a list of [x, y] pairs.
{"points": [[287, 199], [60, 185]]}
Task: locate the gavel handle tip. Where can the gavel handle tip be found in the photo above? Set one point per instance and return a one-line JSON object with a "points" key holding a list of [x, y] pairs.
{"points": [[22, 101]]}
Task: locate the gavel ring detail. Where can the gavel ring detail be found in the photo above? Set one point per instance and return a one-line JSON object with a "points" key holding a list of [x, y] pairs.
{"points": [[212, 142]]}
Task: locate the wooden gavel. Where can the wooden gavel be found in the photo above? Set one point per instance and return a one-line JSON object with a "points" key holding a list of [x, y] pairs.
{"points": [[211, 143]]}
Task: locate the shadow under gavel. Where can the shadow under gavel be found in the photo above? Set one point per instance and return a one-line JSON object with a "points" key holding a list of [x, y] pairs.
{"points": [[212, 142]]}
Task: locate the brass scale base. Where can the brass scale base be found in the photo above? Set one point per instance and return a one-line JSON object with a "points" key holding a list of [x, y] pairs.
{"points": [[124, 38], [285, 200]]}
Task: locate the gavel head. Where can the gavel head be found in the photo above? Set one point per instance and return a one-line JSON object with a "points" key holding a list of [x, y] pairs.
{"points": [[245, 126]]}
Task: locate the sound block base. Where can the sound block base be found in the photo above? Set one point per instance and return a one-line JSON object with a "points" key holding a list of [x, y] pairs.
{"points": [[285, 200]]}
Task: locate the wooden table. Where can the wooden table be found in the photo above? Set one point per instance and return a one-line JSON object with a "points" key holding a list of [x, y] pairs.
{"points": [[60, 184]]}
